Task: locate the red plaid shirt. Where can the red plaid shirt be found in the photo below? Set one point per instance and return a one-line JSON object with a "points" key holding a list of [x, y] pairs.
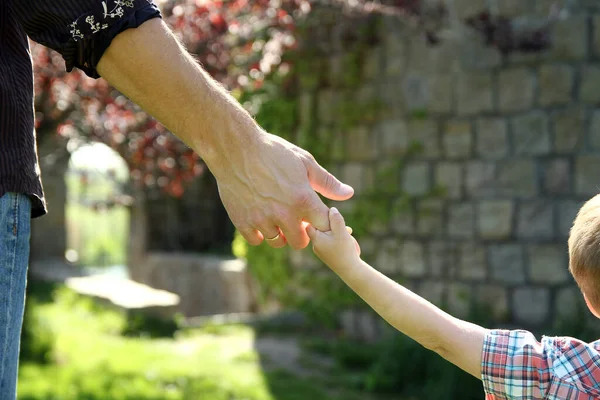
{"points": [[516, 366]]}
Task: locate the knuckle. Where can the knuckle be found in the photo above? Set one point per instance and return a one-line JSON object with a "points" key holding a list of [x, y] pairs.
{"points": [[302, 198], [309, 157]]}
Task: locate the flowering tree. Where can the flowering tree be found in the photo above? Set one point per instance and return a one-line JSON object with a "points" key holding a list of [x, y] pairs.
{"points": [[239, 42]]}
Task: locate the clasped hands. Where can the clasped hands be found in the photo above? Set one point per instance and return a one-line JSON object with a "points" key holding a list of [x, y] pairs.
{"points": [[269, 191]]}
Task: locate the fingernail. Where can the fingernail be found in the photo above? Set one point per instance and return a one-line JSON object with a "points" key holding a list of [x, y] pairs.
{"points": [[334, 210]]}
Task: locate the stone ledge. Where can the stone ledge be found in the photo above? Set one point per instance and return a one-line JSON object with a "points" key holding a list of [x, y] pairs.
{"points": [[206, 284], [122, 292]]}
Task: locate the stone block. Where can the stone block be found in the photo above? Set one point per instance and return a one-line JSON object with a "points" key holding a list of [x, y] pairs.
{"points": [[478, 55], [517, 178], [529, 59], [569, 303], [596, 35], [492, 138], [587, 179], [361, 144], [369, 178], [413, 260], [368, 248], [430, 214], [373, 60], [495, 218], [531, 305], [480, 178], [338, 147], [419, 54], [512, 8], [403, 218], [430, 59], [440, 93], [548, 263], [589, 88], [366, 94], [507, 263], [415, 91], [542, 8], [336, 68], [416, 178], [459, 300], [516, 89], [557, 176], [461, 220], [348, 323], [367, 323], [567, 211], [206, 284], [303, 259], [442, 57], [394, 139], [426, 134], [535, 220], [531, 135], [326, 101], [556, 84], [495, 299], [570, 39], [474, 93], [569, 129], [433, 291], [448, 175], [594, 131], [469, 8], [387, 259], [396, 55], [472, 261], [442, 257], [457, 137], [390, 96], [307, 109], [353, 175]]}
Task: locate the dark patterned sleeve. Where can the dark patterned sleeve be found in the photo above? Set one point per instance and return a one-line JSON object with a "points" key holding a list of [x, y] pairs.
{"points": [[81, 30]]}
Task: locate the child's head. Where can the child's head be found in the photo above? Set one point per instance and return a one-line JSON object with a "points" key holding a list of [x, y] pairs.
{"points": [[584, 252]]}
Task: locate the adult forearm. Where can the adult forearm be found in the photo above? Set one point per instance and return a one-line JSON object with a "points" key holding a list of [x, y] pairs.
{"points": [[150, 66], [457, 341]]}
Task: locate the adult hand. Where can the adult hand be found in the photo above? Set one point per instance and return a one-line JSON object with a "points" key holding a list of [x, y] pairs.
{"points": [[269, 191], [266, 183]]}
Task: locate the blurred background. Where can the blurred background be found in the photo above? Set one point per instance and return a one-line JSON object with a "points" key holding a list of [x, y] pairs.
{"points": [[470, 130]]}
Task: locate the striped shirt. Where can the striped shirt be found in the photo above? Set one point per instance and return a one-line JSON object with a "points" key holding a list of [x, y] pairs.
{"points": [[80, 30], [516, 366]]}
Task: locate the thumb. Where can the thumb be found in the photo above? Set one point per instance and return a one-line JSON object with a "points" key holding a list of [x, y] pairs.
{"points": [[325, 183], [312, 232], [336, 221]]}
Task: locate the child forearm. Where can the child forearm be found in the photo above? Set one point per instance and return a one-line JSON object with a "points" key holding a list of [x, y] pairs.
{"points": [[458, 341]]}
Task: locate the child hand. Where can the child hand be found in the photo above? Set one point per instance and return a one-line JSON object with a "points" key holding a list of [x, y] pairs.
{"points": [[336, 247]]}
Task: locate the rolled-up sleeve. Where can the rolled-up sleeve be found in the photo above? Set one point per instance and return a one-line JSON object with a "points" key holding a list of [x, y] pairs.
{"points": [[81, 30]]}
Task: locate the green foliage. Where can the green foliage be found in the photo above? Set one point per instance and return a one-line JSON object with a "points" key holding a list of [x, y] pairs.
{"points": [[139, 324], [277, 110], [100, 238], [36, 336], [91, 359], [406, 368]]}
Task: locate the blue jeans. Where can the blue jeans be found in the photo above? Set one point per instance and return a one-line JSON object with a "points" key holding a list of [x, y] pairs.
{"points": [[15, 222]]}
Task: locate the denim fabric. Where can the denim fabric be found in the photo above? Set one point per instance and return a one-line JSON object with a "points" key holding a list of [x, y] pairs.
{"points": [[15, 221]]}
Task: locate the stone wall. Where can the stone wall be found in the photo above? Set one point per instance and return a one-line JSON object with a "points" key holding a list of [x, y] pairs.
{"points": [[49, 234], [514, 140]]}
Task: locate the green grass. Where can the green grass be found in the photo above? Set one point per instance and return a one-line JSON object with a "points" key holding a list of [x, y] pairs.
{"points": [[100, 238], [92, 360]]}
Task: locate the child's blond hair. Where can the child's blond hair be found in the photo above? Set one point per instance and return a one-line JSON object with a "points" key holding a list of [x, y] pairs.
{"points": [[584, 251]]}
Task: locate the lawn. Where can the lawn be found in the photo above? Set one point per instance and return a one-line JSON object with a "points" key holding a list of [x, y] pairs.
{"points": [[92, 359]]}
